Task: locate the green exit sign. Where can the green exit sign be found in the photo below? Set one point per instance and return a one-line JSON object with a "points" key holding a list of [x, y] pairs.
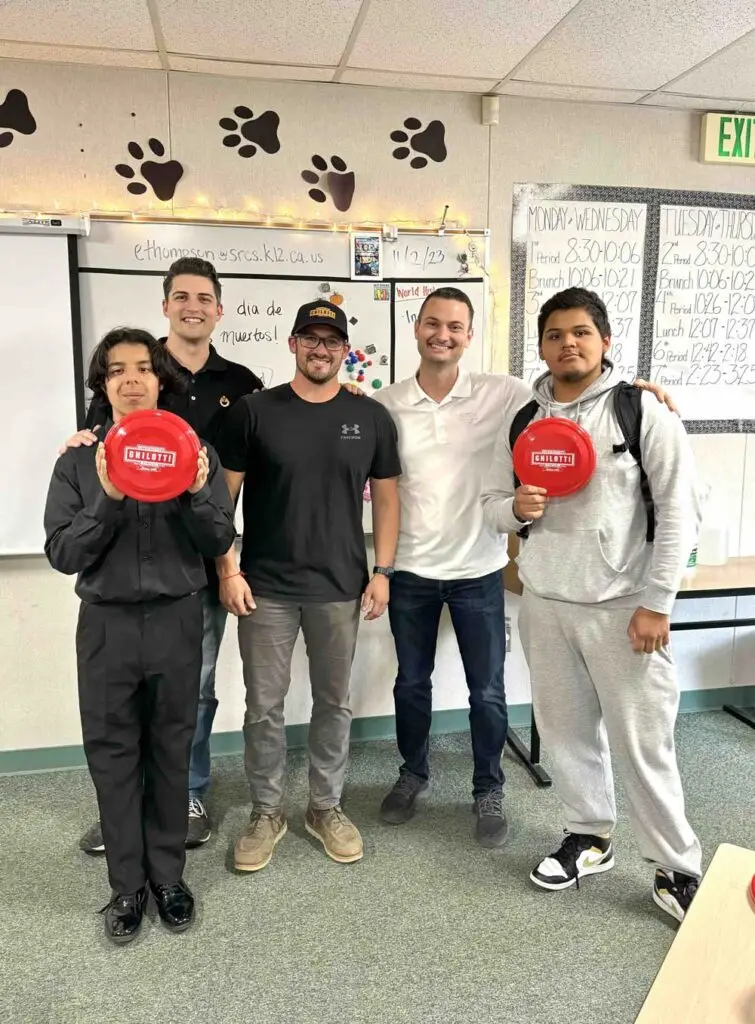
{"points": [[728, 139]]}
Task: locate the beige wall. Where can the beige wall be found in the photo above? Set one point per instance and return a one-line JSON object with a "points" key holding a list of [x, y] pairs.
{"points": [[87, 116]]}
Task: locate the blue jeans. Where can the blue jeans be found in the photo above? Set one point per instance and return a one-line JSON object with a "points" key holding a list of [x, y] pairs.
{"points": [[477, 615], [214, 616]]}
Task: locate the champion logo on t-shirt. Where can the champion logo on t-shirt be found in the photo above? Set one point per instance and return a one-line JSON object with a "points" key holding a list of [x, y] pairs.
{"points": [[350, 432]]}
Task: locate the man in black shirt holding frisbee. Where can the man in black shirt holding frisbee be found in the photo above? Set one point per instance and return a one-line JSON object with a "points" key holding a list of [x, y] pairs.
{"points": [[140, 572]]}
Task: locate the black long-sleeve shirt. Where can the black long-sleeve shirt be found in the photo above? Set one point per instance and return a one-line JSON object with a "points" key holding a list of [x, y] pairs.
{"points": [[206, 404], [131, 551]]}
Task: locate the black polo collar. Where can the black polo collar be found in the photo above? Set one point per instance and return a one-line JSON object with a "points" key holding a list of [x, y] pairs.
{"points": [[214, 363]]}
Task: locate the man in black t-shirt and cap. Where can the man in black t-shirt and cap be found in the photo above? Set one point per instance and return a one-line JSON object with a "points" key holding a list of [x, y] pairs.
{"points": [[304, 451]]}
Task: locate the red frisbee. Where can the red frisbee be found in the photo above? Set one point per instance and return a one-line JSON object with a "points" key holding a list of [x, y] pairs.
{"points": [[752, 890], [152, 455], [554, 453]]}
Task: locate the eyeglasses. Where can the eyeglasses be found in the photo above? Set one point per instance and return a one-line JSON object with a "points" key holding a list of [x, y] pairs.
{"points": [[312, 341]]}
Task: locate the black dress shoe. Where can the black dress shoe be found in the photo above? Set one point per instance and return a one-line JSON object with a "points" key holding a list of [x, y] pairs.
{"points": [[175, 905], [123, 915]]}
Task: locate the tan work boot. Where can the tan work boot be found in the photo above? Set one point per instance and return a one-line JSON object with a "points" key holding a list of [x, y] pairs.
{"points": [[337, 834], [255, 845]]}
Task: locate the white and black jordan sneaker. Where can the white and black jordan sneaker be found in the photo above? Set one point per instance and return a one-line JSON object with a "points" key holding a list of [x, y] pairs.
{"points": [[577, 856], [673, 892]]}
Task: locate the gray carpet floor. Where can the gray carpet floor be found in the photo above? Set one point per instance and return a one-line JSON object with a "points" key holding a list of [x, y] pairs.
{"points": [[427, 928]]}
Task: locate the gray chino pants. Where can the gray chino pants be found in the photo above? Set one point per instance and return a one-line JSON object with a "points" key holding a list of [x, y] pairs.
{"points": [[266, 642]]}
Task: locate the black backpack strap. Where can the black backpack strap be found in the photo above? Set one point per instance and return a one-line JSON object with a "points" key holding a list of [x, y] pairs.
{"points": [[627, 404], [522, 419]]}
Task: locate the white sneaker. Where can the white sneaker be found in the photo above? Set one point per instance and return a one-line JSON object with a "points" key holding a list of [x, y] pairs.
{"points": [[673, 892], [578, 855]]}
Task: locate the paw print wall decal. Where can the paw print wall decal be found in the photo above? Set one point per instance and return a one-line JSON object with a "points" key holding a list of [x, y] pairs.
{"points": [[259, 131], [430, 142], [339, 182], [15, 116], [162, 176]]}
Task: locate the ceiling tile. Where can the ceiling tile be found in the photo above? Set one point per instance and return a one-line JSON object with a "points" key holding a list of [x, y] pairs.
{"points": [[291, 32], [395, 80], [475, 39], [80, 55], [242, 69], [704, 103], [638, 45], [125, 24], [730, 74], [544, 90]]}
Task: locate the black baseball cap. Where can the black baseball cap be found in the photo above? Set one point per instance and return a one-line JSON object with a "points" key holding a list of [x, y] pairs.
{"points": [[323, 313]]}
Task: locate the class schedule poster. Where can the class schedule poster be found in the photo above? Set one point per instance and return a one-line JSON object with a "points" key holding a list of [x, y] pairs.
{"points": [[598, 246], [677, 274], [704, 323]]}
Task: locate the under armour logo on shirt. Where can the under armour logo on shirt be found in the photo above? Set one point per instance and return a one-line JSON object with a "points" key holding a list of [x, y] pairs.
{"points": [[350, 431]]}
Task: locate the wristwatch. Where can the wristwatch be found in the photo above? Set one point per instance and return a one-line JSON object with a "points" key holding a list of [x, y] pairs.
{"points": [[383, 570]]}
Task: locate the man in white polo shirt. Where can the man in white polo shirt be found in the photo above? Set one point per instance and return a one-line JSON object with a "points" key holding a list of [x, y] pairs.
{"points": [[448, 421]]}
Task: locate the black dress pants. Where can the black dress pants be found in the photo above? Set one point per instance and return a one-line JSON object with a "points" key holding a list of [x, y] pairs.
{"points": [[139, 669]]}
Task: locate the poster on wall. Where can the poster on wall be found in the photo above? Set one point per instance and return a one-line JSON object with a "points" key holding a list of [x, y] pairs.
{"points": [[704, 314], [676, 270], [366, 257], [564, 242]]}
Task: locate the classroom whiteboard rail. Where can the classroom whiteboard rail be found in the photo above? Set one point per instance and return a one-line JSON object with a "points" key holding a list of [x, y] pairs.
{"points": [[241, 249]]}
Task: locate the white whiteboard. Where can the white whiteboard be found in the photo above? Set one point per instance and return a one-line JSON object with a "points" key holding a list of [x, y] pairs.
{"points": [[258, 317], [153, 246], [408, 298], [255, 327], [38, 408], [283, 269], [595, 245], [704, 323]]}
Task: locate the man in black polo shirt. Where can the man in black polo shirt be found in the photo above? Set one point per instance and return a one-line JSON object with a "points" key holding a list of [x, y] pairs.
{"points": [[192, 305], [304, 452]]}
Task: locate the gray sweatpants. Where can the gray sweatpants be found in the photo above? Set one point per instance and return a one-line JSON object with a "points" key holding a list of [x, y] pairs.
{"points": [[589, 690], [266, 642]]}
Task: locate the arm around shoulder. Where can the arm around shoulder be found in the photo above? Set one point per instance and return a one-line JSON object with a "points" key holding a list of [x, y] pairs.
{"points": [[253, 382]]}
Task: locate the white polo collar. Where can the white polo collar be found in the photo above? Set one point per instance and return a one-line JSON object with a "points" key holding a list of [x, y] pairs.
{"points": [[461, 389]]}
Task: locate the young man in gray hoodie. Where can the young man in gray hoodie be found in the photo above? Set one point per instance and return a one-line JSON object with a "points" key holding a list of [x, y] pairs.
{"points": [[594, 619]]}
